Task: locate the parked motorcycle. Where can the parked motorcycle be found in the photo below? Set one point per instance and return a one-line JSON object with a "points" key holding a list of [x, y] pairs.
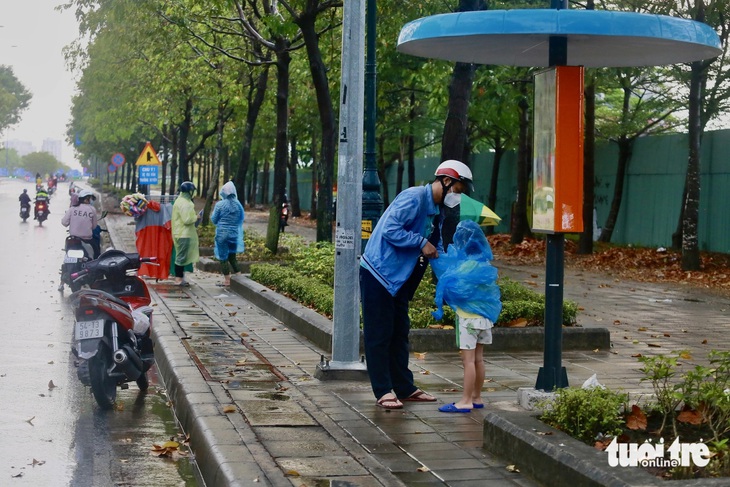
{"points": [[24, 212], [112, 329], [41, 211]]}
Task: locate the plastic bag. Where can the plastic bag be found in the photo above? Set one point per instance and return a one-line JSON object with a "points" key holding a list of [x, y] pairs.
{"points": [[466, 279], [141, 319], [592, 382]]}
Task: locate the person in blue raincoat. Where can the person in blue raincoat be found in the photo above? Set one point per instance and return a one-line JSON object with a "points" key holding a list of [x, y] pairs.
{"points": [[467, 282], [228, 216]]}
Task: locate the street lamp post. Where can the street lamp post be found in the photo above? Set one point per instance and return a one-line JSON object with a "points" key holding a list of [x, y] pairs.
{"points": [[372, 201]]}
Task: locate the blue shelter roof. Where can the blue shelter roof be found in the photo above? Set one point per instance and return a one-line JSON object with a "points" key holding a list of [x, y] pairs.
{"points": [[595, 38]]}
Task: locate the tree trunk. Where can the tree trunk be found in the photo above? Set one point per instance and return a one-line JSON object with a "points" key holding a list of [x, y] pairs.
{"points": [[492, 199], [455, 127], [385, 192], [216, 168], [326, 166], [255, 96], [690, 247], [253, 184], [585, 240], [165, 158], [283, 60], [173, 167], [296, 209], [625, 148], [454, 137], [183, 142], [519, 224], [412, 143], [313, 201]]}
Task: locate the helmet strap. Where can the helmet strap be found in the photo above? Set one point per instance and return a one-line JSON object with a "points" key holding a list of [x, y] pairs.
{"points": [[445, 188]]}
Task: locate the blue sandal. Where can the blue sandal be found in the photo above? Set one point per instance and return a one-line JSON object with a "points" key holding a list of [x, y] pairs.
{"points": [[451, 408]]}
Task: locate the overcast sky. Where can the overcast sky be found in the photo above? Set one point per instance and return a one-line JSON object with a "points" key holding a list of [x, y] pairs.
{"points": [[32, 35]]}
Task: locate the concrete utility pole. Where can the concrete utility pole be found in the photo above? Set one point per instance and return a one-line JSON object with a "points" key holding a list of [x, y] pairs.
{"points": [[345, 363]]}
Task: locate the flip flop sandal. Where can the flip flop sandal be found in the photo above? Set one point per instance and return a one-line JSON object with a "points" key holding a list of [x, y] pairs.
{"points": [[419, 396], [451, 408], [386, 402]]}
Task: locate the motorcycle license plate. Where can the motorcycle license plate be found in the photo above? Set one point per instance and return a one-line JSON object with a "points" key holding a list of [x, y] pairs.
{"points": [[73, 256], [89, 329]]}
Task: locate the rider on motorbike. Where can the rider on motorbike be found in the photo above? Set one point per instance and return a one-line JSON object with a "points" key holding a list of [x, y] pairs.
{"points": [[81, 221], [41, 196], [24, 199]]}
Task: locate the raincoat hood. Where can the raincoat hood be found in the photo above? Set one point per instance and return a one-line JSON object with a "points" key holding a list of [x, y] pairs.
{"points": [[228, 190]]}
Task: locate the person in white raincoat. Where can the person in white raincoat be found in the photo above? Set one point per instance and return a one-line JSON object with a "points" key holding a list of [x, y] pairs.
{"points": [[228, 216], [184, 233]]}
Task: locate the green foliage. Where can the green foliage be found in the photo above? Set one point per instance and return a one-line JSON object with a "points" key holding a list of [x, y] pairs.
{"points": [[584, 413], [705, 389], [305, 290], [318, 262], [41, 162], [14, 98], [660, 370]]}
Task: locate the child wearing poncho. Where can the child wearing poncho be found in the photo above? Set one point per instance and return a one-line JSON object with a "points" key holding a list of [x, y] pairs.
{"points": [[467, 282], [228, 219]]}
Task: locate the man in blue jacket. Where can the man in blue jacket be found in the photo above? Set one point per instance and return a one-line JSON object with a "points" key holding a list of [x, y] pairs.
{"points": [[390, 257]]}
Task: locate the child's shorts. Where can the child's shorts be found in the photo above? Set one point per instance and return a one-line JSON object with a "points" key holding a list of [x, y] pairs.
{"points": [[471, 331]]}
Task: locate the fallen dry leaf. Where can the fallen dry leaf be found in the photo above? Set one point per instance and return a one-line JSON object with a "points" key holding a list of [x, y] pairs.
{"points": [[518, 323], [690, 416], [51, 385], [423, 469], [513, 468], [636, 420], [229, 409], [420, 355]]}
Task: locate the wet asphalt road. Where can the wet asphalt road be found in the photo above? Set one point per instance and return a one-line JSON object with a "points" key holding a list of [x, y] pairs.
{"points": [[52, 433]]}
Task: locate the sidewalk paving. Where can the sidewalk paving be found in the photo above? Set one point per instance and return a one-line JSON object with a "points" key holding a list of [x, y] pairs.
{"points": [[216, 352]]}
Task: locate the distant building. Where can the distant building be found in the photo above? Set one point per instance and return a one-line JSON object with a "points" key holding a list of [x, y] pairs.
{"points": [[53, 147], [23, 147]]}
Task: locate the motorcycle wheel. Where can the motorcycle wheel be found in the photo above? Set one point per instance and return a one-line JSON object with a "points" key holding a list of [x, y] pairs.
{"points": [[103, 386], [142, 382]]}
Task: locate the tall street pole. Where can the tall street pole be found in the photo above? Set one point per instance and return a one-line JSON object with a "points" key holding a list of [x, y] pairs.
{"points": [[372, 201], [346, 320]]}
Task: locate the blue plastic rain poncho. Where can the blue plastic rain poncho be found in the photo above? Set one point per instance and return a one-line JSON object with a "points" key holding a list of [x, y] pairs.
{"points": [[228, 219], [466, 279]]}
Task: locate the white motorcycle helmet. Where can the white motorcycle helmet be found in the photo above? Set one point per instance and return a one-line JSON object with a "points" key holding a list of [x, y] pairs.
{"points": [[85, 193], [457, 171]]}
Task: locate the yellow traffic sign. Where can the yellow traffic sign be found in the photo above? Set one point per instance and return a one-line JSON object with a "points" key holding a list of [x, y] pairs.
{"points": [[148, 157]]}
